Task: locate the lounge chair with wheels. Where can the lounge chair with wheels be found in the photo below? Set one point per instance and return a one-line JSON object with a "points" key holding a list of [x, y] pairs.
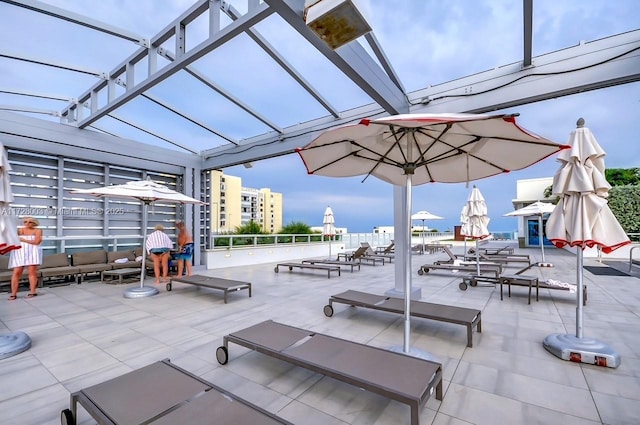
{"points": [[164, 394], [359, 255], [387, 249], [406, 379], [467, 317], [211, 282]]}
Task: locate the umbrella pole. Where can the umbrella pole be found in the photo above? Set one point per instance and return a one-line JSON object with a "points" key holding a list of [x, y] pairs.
{"points": [[145, 208], [422, 237], [579, 293], [407, 270], [541, 236], [477, 259], [142, 291]]}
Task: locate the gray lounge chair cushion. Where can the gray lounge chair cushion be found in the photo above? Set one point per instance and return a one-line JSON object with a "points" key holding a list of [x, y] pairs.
{"points": [[93, 257], [112, 256], [55, 260]]}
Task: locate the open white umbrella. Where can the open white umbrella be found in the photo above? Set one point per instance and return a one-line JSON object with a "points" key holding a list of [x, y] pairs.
{"points": [[583, 219], [421, 148], [9, 239], [146, 191], [423, 216], [328, 226], [476, 226], [538, 209]]}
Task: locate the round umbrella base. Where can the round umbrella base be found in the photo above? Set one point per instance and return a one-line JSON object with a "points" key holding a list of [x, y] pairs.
{"points": [[545, 265], [141, 292], [414, 352], [581, 350], [13, 343]]}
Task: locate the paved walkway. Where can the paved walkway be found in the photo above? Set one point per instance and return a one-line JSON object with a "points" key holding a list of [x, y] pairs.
{"points": [[85, 334]]}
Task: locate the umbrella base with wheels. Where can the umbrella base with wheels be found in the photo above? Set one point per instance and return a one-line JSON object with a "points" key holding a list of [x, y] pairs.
{"points": [[414, 352], [141, 292], [544, 265], [13, 343], [581, 350]]}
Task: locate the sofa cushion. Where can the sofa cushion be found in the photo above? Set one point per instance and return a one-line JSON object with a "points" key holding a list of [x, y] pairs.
{"points": [[112, 256], [4, 262], [55, 260], [93, 257]]}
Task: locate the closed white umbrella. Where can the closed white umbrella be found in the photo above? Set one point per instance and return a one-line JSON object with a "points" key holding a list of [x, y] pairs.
{"points": [[476, 226], [11, 343], [146, 191], [582, 219], [538, 209], [424, 148], [328, 226], [9, 239]]}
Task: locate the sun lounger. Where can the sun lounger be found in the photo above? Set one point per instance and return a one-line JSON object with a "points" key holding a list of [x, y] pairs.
{"points": [[444, 313], [224, 285], [338, 263], [519, 280], [507, 258], [387, 249], [359, 256], [164, 394], [370, 253], [406, 379], [497, 251], [487, 268], [302, 266]]}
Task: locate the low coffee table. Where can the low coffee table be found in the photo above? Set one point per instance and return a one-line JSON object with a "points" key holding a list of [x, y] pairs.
{"points": [[120, 273]]}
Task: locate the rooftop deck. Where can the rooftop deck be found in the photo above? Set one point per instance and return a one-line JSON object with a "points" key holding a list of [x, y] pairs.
{"points": [[85, 334]]}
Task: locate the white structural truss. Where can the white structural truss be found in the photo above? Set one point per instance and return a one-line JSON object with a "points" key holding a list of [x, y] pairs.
{"points": [[188, 52]]}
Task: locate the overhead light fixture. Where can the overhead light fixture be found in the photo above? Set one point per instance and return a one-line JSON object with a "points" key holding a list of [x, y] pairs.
{"points": [[248, 165], [336, 22]]}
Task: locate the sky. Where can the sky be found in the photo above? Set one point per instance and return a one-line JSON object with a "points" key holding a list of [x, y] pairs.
{"points": [[428, 42]]}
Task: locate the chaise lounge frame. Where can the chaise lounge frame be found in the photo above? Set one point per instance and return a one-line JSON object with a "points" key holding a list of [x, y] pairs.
{"points": [[173, 396], [224, 285], [406, 379]]}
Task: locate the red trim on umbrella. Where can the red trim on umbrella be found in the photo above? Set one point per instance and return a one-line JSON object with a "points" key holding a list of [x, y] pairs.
{"points": [[561, 243], [4, 248]]}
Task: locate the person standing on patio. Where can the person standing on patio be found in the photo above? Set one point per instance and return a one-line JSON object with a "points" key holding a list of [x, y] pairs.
{"points": [[158, 246], [185, 249], [29, 255]]}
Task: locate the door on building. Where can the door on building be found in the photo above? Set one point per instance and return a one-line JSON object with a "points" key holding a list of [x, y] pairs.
{"points": [[533, 233]]}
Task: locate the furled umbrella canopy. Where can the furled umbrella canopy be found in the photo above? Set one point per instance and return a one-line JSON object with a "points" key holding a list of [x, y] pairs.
{"points": [[476, 226], [583, 219], [8, 229], [328, 226]]}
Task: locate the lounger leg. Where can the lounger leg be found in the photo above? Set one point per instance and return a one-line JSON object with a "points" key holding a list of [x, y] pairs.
{"points": [[469, 337], [501, 281], [415, 415], [249, 290], [530, 282], [225, 296], [439, 390], [479, 325]]}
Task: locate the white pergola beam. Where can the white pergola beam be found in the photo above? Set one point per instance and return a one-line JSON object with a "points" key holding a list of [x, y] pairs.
{"points": [[223, 36], [597, 64], [351, 59], [78, 19]]}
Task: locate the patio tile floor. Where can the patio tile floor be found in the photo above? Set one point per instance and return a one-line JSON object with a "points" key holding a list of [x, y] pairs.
{"points": [[85, 334]]}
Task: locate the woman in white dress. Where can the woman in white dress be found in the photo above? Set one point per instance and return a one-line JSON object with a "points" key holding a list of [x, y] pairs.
{"points": [[29, 255]]}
